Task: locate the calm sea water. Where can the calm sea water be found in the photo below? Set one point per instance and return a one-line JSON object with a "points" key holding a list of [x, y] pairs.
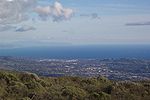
{"points": [[73, 52]]}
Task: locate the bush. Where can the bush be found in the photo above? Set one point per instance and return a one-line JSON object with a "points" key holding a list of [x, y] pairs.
{"points": [[73, 92]]}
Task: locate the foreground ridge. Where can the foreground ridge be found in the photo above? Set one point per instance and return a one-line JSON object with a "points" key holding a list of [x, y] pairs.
{"points": [[29, 86]]}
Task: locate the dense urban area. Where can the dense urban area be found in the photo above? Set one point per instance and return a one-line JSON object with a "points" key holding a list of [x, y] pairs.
{"points": [[114, 69]]}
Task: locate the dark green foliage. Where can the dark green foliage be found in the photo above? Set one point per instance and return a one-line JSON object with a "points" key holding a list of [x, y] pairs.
{"points": [[72, 92], [99, 96], [28, 86]]}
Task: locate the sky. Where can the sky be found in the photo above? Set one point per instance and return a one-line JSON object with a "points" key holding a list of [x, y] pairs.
{"points": [[25, 23]]}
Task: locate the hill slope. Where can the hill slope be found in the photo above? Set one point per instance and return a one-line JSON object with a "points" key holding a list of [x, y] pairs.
{"points": [[28, 86]]}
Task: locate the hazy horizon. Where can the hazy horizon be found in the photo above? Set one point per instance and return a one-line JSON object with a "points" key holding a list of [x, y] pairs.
{"points": [[80, 52]]}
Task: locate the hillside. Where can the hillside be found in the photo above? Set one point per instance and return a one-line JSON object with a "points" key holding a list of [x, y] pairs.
{"points": [[28, 86]]}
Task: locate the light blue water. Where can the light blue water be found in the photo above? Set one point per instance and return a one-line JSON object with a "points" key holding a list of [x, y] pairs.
{"points": [[72, 52]]}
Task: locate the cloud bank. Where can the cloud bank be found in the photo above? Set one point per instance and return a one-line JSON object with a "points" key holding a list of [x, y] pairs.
{"points": [[92, 15], [16, 11], [138, 23], [24, 28]]}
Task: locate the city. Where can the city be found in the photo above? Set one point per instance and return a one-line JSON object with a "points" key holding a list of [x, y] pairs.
{"points": [[114, 69]]}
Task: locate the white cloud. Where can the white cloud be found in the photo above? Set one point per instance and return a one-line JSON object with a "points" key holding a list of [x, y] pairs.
{"points": [[14, 11], [57, 12]]}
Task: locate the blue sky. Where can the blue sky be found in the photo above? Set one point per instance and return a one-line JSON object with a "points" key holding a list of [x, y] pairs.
{"points": [[75, 22]]}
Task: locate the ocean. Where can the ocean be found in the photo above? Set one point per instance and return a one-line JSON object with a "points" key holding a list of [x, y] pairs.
{"points": [[81, 52]]}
